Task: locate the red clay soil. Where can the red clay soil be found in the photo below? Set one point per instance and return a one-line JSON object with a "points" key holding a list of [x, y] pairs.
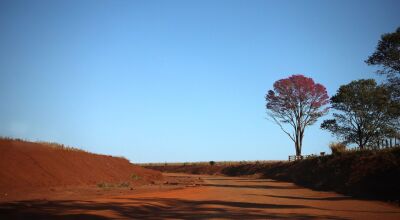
{"points": [[28, 165], [215, 197]]}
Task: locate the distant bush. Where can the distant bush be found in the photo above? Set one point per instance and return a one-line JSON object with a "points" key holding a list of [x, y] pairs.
{"points": [[337, 148], [212, 163], [135, 177]]}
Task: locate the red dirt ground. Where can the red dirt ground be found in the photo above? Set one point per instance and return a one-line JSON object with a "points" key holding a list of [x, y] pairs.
{"points": [[27, 166], [213, 197]]}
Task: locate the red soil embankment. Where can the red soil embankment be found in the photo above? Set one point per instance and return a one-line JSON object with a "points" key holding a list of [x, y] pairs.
{"points": [[34, 165]]}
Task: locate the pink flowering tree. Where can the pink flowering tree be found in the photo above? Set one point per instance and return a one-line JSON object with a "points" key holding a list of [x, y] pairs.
{"points": [[296, 101]]}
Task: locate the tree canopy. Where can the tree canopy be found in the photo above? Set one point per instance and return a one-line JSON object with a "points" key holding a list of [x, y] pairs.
{"points": [[363, 114], [387, 54], [297, 101]]}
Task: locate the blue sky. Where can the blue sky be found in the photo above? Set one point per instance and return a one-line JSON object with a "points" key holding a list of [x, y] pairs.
{"points": [[159, 81]]}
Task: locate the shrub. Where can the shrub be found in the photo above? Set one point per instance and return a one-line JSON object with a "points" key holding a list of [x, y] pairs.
{"points": [[212, 163], [135, 177], [337, 148]]}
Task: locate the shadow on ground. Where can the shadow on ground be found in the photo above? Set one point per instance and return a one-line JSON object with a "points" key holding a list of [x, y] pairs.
{"points": [[334, 198], [174, 208], [252, 186], [148, 208]]}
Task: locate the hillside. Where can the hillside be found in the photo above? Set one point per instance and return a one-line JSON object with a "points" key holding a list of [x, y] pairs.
{"points": [[366, 173], [25, 165]]}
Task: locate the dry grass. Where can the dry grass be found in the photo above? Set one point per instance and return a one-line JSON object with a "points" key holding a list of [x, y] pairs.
{"points": [[48, 144], [61, 146], [337, 148]]}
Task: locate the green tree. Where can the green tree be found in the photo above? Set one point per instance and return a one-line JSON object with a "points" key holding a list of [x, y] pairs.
{"points": [[363, 113], [387, 56]]}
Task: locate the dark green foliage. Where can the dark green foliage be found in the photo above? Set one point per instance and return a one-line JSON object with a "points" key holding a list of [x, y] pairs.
{"points": [[364, 112], [212, 163], [387, 54]]}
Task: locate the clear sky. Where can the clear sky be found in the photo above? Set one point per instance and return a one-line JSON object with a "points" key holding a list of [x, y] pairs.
{"points": [[159, 81]]}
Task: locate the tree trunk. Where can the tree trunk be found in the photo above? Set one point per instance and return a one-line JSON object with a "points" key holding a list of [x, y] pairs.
{"points": [[361, 145], [301, 140], [298, 150], [360, 137], [298, 142]]}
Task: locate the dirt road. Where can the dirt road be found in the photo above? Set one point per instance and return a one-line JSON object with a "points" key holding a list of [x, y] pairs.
{"points": [[217, 198]]}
